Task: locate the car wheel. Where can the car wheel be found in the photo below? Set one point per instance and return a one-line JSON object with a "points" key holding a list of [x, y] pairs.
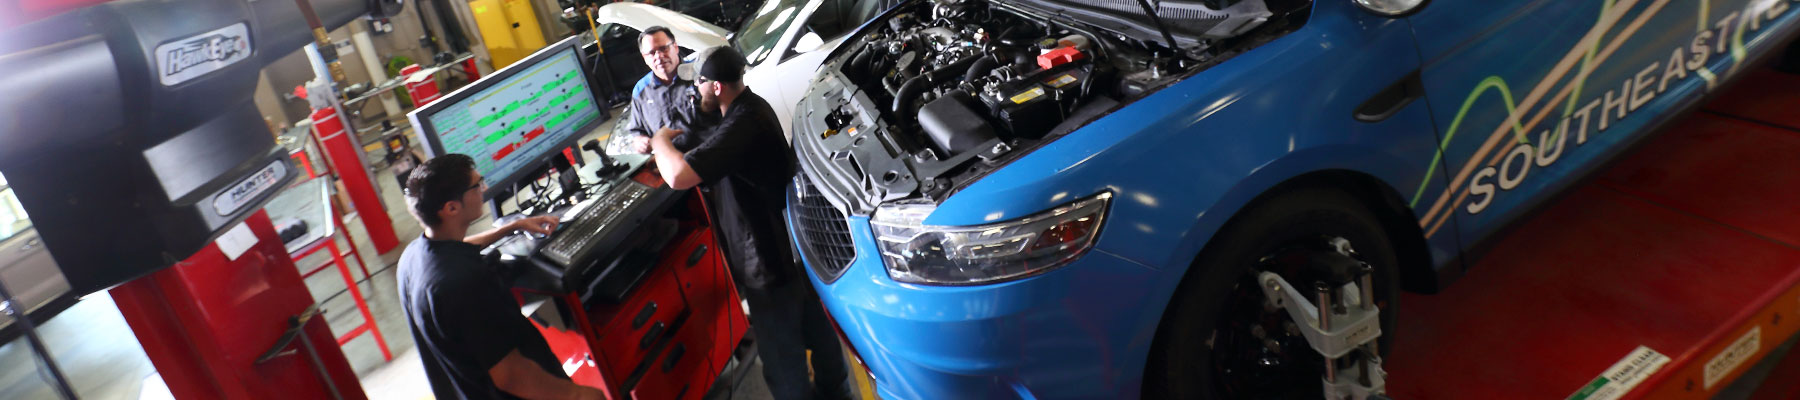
{"points": [[1219, 341]]}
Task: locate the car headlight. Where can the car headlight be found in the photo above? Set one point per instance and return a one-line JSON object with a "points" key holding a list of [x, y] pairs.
{"points": [[1390, 8], [965, 255]]}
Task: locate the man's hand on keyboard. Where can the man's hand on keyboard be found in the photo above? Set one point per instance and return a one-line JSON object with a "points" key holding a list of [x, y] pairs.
{"points": [[539, 225]]}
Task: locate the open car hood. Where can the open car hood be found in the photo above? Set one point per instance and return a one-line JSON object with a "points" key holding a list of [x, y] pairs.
{"points": [[689, 32]]}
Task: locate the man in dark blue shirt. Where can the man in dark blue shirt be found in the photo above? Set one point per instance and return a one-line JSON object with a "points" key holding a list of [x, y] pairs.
{"points": [[662, 99], [469, 333]]}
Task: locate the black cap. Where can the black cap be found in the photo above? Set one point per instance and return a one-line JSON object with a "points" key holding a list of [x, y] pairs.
{"points": [[722, 64]]}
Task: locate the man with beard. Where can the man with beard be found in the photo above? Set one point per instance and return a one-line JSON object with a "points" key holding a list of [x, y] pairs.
{"points": [[745, 163]]}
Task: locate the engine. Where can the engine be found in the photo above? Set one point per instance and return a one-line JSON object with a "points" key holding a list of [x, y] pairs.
{"points": [[937, 93], [965, 72]]}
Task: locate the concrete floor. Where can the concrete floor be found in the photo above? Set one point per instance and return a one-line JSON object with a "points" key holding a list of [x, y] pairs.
{"points": [[92, 345]]}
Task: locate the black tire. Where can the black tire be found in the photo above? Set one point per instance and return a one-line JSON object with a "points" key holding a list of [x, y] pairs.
{"points": [[1181, 363]]}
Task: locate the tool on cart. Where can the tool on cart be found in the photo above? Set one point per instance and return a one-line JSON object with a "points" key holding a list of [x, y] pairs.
{"points": [[1341, 322]]}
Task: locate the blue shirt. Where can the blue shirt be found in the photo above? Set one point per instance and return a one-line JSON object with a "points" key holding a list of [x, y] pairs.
{"points": [[675, 104]]}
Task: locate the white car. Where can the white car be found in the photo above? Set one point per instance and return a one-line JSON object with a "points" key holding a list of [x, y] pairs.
{"points": [[784, 41], [26, 268]]}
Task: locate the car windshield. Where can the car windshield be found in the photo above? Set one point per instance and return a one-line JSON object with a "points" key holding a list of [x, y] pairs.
{"points": [[758, 37], [12, 216]]}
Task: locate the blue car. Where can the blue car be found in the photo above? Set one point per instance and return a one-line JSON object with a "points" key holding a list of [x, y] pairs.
{"points": [[1119, 198]]}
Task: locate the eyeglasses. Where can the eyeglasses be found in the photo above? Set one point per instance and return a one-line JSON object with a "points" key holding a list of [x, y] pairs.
{"points": [[480, 182], [667, 48]]}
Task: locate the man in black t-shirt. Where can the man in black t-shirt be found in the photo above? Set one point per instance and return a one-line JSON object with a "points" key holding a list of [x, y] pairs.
{"points": [[746, 164], [469, 333]]}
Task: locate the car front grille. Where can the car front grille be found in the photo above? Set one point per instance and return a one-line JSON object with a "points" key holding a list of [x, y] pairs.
{"points": [[823, 231]]}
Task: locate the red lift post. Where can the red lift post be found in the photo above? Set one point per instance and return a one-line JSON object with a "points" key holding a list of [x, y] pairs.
{"points": [[1689, 247], [205, 321], [345, 157]]}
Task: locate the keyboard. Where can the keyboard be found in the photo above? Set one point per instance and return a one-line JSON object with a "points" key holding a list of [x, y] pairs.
{"points": [[579, 236]]}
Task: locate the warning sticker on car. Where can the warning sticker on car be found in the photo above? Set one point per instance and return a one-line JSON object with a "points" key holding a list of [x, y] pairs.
{"points": [[1027, 95], [1733, 356], [1623, 375]]}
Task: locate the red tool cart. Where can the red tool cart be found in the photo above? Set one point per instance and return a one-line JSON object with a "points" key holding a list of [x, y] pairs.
{"points": [[671, 334]]}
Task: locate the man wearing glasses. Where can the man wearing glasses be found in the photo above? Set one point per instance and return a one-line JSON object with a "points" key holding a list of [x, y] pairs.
{"points": [[468, 330], [662, 99]]}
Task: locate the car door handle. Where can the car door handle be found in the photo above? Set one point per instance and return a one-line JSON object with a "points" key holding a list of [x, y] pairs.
{"points": [[30, 245], [1391, 100]]}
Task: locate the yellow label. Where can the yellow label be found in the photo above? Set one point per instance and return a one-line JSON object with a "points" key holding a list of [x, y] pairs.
{"points": [[852, 131], [1025, 96], [1061, 81]]}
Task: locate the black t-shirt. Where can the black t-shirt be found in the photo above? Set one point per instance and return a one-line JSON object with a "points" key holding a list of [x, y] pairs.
{"points": [[746, 164], [463, 319]]}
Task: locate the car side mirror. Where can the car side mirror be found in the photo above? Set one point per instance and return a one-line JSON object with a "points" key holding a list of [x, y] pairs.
{"points": [[808, 42]]}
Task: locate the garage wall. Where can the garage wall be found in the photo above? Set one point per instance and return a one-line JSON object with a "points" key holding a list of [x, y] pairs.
{"points": [[281, 77], [274, 92], [550, 20], [269, 103]]}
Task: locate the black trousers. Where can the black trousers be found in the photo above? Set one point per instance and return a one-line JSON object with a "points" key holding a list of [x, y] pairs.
{"points": [[788, 320]]}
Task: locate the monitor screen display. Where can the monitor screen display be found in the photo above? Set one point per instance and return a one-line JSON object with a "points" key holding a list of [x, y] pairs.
{"points": [[511, 125]]}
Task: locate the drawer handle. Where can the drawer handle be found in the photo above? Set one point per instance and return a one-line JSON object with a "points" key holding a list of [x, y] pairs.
{"points": [[643, 316], [674, 355], [650, 337], [695, 258]]}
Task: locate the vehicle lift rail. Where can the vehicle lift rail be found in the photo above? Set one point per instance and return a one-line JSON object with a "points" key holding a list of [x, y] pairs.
{"points": [[1666, 277]]}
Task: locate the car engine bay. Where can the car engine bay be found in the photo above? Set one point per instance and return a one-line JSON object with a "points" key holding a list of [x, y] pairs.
{"points": [[951, 89]]}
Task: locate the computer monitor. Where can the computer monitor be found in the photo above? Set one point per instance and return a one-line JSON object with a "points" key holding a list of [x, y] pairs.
{"points": [[515, 119]]}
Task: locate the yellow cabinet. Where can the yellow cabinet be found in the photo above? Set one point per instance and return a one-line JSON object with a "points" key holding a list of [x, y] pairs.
{"points": [[509, 28]]}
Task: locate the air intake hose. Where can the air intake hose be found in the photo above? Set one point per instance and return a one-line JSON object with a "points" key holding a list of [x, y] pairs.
{"points": [[910, 91]]}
